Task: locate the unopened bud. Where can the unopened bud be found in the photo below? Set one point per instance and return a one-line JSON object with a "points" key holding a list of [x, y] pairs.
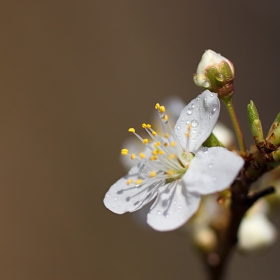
{"points": [[216, 73]]}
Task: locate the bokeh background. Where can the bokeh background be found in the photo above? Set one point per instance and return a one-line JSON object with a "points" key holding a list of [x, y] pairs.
{"points": [[74, 75]]}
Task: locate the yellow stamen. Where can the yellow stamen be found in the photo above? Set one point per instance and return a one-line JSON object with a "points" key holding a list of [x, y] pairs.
{"points": [[165, 144], [170, 172], [173, 144], [162, 109], [132, 156], [154, 133], [153, 174], [145, 141], [129, 181], [187, 134], [153, 158], [157, 106], [161, 152], [155, 152], [124, 152], [172, 156], [144, 125], [165, 118], [157, 144], [138, 182], [142, 155], [166, 135], [131, 130], [148, 126]]}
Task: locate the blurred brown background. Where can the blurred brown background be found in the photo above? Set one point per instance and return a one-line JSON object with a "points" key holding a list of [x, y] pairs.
{"points": [[74, 76]]}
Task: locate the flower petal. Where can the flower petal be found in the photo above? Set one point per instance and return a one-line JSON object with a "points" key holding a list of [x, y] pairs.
{"points": [[173, 207], [122, 197], [212, 170], [202, 113]]}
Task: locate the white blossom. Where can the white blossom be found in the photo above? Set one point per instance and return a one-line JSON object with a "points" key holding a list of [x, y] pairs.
{"points": [[174, 168]]}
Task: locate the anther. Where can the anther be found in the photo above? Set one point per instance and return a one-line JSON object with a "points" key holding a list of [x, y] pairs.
{"points": [[153, 174], [132, 156], [129, 181], [142, 155], [145, 141], [162, 109], [131, 130], [124, 152], [138, 182]]}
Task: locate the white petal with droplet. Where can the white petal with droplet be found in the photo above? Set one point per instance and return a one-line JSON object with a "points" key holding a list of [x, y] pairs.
{"points": [[212, 170], [173, 207], [205, 112], [123, 198]]}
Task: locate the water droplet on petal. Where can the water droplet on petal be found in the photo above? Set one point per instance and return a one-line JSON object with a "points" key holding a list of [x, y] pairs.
{"points": [[194, 123], [211, 94], [205, 150], [178, 127], [197, 98], [175, 202], [189, 111], [167, 215], [193, 106], [179, 208], [158, 212], [115, 198]]}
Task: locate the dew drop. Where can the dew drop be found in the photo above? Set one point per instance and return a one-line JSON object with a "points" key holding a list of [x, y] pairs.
{"points": [[205, 98], [178, 127], [188, 122], [180, 137], [193, 106], [167, 215], [197, 98], [175, 202], [158, 212], [189, 111], [115, 198], [211, 94], [205, 150], [194, 123], [179, 208], [210, 166]]}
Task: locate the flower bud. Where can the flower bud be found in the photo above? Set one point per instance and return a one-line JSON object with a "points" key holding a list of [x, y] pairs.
{"points": [[256, 233], [205, 238], [216, 73]]}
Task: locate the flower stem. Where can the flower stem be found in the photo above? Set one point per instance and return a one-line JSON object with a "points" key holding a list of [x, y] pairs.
{"points": [[239, 135]]}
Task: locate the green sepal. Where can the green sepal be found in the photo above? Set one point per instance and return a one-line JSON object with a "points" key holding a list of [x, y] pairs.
{"points": [[226, 71], [274, 125], [255, 123], [215, 78], [276, 155], [274, 138], [212, 141]]}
